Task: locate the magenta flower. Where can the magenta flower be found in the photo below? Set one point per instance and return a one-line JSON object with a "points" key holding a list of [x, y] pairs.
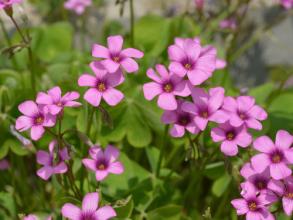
{"points": [[231, 137], [114, 56], [53, 163], [275, 156], [287, 4], [253, 205], [229, 23], [103, 162], [206, 107], [181, 121], [259, 181], [199, 4], [166, 85], [243, 110], [89, 210], [8, 3], [78, 6], [55, 102], [284, 189], [35, 118], [4, 164], [102, 85], [188, 57]]}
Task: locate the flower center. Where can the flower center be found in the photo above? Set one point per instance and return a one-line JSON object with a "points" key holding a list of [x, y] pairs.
{"points": [[39, 120], [87, 216], [252, 206], [242, 116], [59, 104], [101, 87], [261, 185], [116, 59], [168, 87], [184, 120], [204, 114], [276, 157], [230, 135], [187, 66], [101, 166], [289, 195]]}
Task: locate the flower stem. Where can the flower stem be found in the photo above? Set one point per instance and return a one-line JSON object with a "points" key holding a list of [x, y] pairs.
{"points": [[162, 151], [131, 22]]}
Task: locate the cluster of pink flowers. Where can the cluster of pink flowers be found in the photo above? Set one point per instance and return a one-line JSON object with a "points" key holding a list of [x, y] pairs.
{"points": [[78, 6], [109, 71]]}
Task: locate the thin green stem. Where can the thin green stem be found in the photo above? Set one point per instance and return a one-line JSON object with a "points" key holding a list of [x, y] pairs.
{"points": [[162, 151], [131, 22]]}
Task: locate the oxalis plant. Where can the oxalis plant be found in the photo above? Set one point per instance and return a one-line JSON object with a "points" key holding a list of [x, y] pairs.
{"points": [[90, 139]]}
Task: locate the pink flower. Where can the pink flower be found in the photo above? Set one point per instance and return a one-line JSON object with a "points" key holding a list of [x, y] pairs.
{"points": [[78, 6], [228, 24], [231, 137], [102, 85], [253, 205], [166, 85], [90, 209], [199, 4], [103, 162], [206, 107], [243, 110], [285, 190], [275, 156], [35, 118], [55, 102], [8, 3], [114, 56], [258, 180], [188, 57], [287, 4], [53, 163], [4, 164], [181, 121], [34, 217]]}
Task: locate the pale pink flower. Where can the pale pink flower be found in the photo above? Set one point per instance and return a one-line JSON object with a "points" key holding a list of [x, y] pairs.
{"points": [[229, 23], [284, 189], [102, 85], [206, 106], [35, 118], [231, 137], [180, 121], [103, 162], [253, 205], [166, 85], [4, 164], [243, 110], [8, 3], [55, 102], [78, 6], [277, 156], [114, 56], [287, 4], [199, 4], [52, 161]]}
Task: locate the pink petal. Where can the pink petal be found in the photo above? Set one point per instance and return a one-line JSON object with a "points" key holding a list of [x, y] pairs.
{"points": [[90, 202], [235, 120], [220, 64], [129, 65], [116, 168], [115, 43], [37, 132], [167, 101], [87, 80], [284, 139], [176, 53], [169, 117], [45, 172], [111, 153], [93, 96], [201, 123], [216, 98], [247, 171], [177, 68], [69, 96], [131, 52], [280, 171], [101, 175], [49, 120], [289, 155], [60, 168], [258, 113], [229, 148], [190, 108], [44, 98], [230, 104], [90, 164], [100, 51], [183, 89], [113, 96], [110, 65], [177, 131], [253, 123], [245, 103], [277, 186], [253, 216], [287, 206], [95, 151], [152, 75], [99, 69], [54, 109], [192, 49], [192, 128], [28, 108], [218, 134], [115, 79], [43, 157], [264, 144], [70, 211], [219, 117], [197, 76], [55, 93], [105, 213], [72, 104], [161, 69], [23, 123], [151, 89], [260, 162], [243, 139], [240, 205]]}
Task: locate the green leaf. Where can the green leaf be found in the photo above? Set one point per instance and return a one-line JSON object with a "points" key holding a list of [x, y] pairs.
{"points": [[16, 147], [3, 150], [124, 210], [221, 185], [170, 212], [214, 170], [282, 103], [261, 93]]}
